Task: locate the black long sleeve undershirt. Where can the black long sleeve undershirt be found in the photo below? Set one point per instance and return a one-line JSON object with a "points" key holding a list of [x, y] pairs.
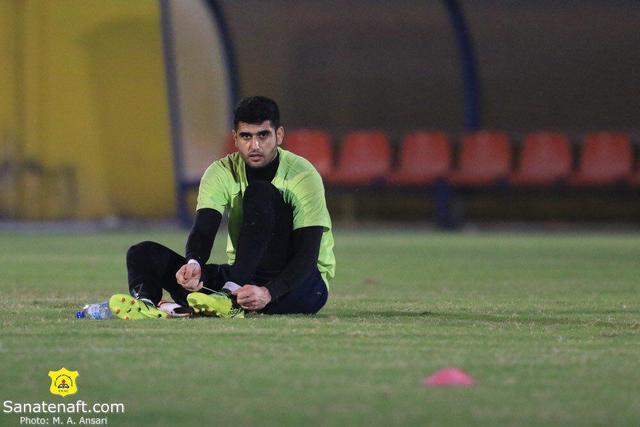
{"points": [[202, 235], [306, 246]]}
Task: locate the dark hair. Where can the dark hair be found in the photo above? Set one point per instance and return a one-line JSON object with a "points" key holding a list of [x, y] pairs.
{"points": [[255, 110]]}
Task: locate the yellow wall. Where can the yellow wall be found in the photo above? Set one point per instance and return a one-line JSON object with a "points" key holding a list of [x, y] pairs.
{"points": [[86, 128], [8, 118]]}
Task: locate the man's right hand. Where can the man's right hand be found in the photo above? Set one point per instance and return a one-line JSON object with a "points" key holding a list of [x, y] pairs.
{"points": [[189, 276]]}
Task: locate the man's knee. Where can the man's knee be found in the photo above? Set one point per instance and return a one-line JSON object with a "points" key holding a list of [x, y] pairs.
{"points": [[141, 250]]}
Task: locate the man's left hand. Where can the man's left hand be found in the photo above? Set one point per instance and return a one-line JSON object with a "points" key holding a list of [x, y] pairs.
{"points": [[251, 297]]}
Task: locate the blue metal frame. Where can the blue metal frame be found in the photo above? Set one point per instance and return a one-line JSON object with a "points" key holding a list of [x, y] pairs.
{"points": [[229, 50], [472, 120], [175, 119], [173, 94]]}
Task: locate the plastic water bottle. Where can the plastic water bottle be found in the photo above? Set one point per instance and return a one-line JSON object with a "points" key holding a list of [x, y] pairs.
{"points": [[97, 311]]}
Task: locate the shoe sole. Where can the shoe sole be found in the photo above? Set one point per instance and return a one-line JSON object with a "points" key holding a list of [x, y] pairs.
{"points": [[211, 305], [126, 307]]}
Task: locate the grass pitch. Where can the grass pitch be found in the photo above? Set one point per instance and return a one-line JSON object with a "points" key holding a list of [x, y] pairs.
{"points": [[548, 324]]}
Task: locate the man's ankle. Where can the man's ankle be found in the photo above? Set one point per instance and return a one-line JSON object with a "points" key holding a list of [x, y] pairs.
{"points": [[230, 287]]}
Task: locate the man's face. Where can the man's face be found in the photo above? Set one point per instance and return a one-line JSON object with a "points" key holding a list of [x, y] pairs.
{"points": [[258, 144]]}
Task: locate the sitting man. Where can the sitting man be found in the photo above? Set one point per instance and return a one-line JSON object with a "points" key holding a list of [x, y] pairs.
{"points": [[280, 245]]}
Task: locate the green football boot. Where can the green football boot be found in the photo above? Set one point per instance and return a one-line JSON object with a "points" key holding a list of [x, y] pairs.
{"points": [[126, 307], [216, 304]]}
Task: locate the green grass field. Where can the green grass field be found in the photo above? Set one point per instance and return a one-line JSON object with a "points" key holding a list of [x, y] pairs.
{"points": [[548, 324]]}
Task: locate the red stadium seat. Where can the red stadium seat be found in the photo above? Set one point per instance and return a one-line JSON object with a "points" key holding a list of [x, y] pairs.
{"points": [[314, 146], [485, 159], [424, 158], [545, 159], [365, 156], [605, 159], [229, 146], [634, 180]]}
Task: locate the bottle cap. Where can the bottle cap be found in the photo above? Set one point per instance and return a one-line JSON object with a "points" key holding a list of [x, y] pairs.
{"points": [[80, 314]]}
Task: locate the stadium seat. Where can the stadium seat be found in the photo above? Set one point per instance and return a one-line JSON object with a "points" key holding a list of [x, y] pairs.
{"points": [[313, 145], [365, 157], [605, 159], [545, 159], [424, 158], [485, 159], [229, 146], [634, 179]]}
